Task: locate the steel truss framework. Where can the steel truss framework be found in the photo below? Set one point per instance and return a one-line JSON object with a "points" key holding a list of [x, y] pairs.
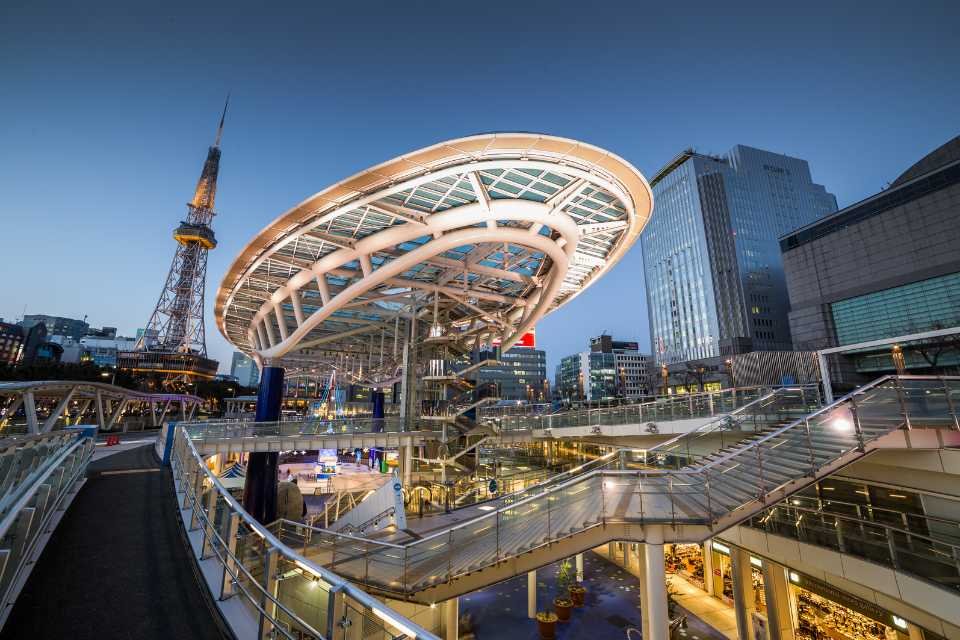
{"points": [[468, 242], [176, 326], [48, 404]]}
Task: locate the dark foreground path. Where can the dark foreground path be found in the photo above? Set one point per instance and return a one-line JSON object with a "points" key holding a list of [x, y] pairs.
{"points": [[117, 566]]}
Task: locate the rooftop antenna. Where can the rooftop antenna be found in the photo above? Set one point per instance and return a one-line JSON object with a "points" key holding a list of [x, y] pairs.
{"points": [[216, 142]]}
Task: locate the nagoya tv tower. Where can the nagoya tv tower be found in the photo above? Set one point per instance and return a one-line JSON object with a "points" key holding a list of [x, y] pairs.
{"points": [[173, 346]]}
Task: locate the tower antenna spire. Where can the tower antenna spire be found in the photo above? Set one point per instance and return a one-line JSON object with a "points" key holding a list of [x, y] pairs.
{"points": [[216, 142]]}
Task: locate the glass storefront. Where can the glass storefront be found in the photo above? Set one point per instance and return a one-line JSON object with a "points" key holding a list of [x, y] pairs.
{"points": [[827, 613]]}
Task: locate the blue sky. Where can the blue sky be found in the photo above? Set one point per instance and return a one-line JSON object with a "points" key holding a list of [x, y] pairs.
{"points": [[106, 110]]}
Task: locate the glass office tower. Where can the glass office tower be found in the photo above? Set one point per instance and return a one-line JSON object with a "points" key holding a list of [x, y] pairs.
{"points": [[712, 265]]}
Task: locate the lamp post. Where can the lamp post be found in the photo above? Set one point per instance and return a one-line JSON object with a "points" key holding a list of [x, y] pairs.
{"points": [[898, 360]]}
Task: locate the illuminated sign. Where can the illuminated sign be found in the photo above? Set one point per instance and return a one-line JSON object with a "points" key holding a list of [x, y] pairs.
{"points": [[529, 339]]}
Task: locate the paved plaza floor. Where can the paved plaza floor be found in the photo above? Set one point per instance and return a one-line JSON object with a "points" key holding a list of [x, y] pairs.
{"points": [[499, 612]]}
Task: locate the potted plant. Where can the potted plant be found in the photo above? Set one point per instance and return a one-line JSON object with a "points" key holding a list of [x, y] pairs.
{"points": [[578, 593], [547, 625], [563, 603]]}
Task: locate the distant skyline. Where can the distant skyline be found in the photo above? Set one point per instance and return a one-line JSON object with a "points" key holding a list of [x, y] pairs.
{"points": [[108, 110]]}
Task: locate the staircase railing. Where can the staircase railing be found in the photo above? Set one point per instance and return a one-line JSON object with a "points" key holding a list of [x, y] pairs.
{"points": [[776, 408], [717, 492], [672, 407]]}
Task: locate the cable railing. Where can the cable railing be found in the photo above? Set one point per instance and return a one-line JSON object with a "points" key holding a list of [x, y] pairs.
{"points": [[716, 491], [287, 594], [663, 408], [37, 476]]}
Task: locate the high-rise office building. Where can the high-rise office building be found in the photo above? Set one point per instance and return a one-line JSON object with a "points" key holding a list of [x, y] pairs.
{"points": [[522, 375], [712, 265], [610, 369], [244, 370]]}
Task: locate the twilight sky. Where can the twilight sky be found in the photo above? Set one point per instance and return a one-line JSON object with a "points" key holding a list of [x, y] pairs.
{"points": [[107, 108]]}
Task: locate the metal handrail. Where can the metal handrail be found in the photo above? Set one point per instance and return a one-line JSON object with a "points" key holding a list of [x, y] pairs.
{"points": [[72, 462], [336, 582], [698, 472], [887, 527], [841, 401], [14, 511], [717, 424]]}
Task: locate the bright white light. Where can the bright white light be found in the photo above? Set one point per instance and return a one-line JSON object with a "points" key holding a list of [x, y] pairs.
{"points": [[900, 622], [794, 577], [485, 507], [394, 623], [755, 562], [842, 423], [607, 484], [722, 548]]}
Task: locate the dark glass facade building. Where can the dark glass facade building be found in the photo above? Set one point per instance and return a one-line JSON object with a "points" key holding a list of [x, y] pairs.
{"points": [[712, 265], [522, 375], [885, 267]]}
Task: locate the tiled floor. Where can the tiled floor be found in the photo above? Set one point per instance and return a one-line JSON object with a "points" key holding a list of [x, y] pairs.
{"points": [[712, 611], [613, 607]]}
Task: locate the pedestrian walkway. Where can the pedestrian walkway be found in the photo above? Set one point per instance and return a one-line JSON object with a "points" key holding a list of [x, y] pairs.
{"points": [[117, 565], [713, 611]]}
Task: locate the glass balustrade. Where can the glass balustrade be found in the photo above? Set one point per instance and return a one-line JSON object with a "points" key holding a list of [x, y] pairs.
{"points": [[774, 443], [287, 594]]}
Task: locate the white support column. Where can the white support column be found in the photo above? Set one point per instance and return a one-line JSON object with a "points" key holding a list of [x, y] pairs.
{"points": [[281, 320], [744, 598], [532, 594], [579, 564], [776, 589], [268, 327], [451, 609], [656, 579], [708, 566], [115, 415], [323, 288], [261, 337], [644, 598], [30, 409], [163, 414], [11, 409], [408, 463], [51, 421], [297, 307], [825, 377], [98, 407]]}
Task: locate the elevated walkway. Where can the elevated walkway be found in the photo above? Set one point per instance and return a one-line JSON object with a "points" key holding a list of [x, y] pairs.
{"points": [[117, 565], [702, 498]]}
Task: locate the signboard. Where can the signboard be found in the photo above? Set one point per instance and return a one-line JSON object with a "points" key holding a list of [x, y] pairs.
{"points": [[399, 511], [842, 598], [529, 339]]}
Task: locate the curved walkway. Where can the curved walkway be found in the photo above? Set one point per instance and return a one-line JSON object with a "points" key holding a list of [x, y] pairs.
{"points": [[117, 566]]}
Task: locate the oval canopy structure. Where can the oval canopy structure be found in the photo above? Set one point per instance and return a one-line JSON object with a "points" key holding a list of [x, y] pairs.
{"points": [[468, 242]]}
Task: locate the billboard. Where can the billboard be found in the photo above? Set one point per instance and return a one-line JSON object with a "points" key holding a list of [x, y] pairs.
{"points": [[529, 339]]}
